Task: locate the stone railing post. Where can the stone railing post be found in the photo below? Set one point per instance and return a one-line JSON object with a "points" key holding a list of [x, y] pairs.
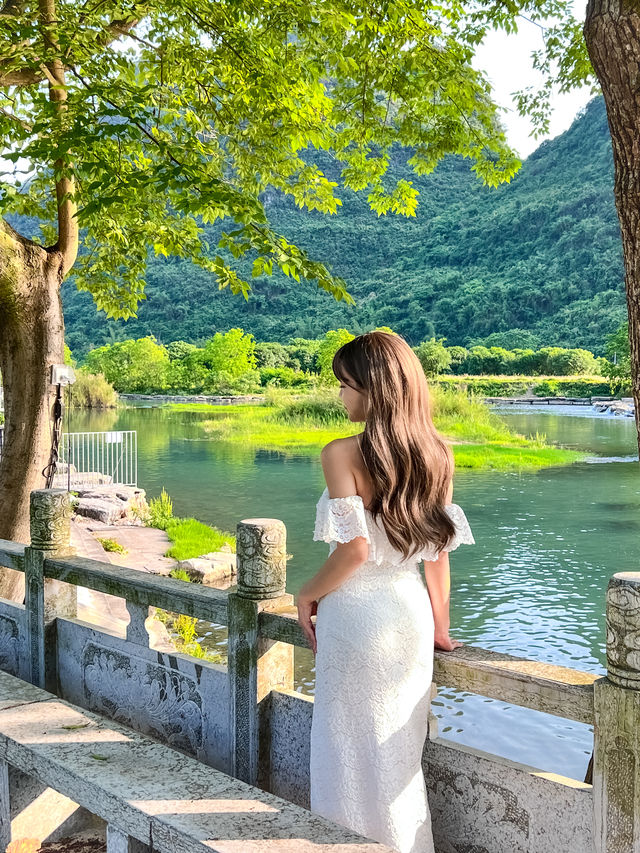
{"points": [[616, 768], [256, 665], [45, 599]]}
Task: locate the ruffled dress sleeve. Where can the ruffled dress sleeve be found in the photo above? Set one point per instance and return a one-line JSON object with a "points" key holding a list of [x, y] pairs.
{"points": [[462, 536], [340, 519]]}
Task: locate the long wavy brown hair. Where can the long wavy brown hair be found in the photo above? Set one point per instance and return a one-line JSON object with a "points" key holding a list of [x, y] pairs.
{"points": [[409, 463]]}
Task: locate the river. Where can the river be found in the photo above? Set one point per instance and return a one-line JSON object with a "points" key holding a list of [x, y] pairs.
{"points": [[533, 585]]}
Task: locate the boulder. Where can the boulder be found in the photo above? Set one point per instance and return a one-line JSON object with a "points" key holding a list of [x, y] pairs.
{"points": [[621, 408], [211, 568], [106, 511], [112, 504]]}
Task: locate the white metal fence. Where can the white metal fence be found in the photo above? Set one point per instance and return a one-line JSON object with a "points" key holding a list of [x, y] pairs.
{"points": [[98, 458], [95, 459]]}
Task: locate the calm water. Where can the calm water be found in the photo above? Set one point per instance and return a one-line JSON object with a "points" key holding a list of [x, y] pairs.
{"points": [[533, 585]]}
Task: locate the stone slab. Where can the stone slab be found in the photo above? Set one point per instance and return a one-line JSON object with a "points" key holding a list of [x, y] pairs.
{"points": [[482, 803], [156, 794], [288, 718], [100, 509], [14, 692], [174, 698]]}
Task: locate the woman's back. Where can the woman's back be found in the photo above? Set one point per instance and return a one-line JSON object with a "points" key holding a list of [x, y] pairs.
{"points": [[384, 509]]}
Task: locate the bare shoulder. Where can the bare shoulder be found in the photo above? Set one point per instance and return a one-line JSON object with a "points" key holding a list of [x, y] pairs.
{"points": [[338, 459], [341, 449]]}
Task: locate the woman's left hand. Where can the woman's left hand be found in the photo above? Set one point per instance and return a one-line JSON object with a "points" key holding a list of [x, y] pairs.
{"points": [[307, 607]]}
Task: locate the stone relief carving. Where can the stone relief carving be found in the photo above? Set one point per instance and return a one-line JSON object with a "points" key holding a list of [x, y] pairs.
{"points": [[9, 646], [150, 698], [461, 803], [262, 558], [623, 631], [50, 520]]}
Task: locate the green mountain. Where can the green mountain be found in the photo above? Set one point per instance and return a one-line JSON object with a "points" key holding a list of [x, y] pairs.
{"points": [[541, 254]]}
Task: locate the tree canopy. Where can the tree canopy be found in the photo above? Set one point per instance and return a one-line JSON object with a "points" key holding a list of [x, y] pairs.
{"points": [[173, 115]]}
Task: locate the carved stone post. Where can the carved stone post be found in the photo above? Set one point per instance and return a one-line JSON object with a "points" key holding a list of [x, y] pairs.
{"points": [[45, 599], [256, 665], [616, 772]]}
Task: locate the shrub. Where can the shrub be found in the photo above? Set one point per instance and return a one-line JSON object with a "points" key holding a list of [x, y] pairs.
{"points": [[583, 388], [271, 354], [303, 354], [225, 384], [617, 365], [284, 377], [548, 388], [484, 386], [327, 348], [321, 409], [132, 366], [160, 511], [434, 356], [91, 391]]}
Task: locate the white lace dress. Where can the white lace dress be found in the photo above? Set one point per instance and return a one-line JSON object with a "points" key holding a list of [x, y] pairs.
{"points": [[374, 667]]}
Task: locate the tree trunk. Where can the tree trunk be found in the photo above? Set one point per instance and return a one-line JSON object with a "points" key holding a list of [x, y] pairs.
{"points": [[31, 340], [612, 33]]}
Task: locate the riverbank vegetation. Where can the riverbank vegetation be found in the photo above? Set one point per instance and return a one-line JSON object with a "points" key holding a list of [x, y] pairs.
{"points": [[91, 391], [183, 631], [189, 537], [233, 362], [480, 439]]}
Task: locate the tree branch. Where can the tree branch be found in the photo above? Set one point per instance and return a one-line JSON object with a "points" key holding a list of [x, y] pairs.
{"points": [[24, 77], [116, 29], [13, 8], [67, 243], [24, 124], [29, 76]]}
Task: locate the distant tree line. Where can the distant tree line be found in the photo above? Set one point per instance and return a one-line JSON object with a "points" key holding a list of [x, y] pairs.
{"points": [[233, 362], [534, 262], [481, 360]]}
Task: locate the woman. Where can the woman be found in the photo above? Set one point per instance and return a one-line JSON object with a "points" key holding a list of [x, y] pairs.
{"points": [[386, 507]]}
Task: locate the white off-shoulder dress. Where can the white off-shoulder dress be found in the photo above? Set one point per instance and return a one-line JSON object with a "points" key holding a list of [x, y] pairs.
{"points": [[374, 667]]}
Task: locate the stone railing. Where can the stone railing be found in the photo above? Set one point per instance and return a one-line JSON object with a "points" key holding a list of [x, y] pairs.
{"points": [[247, 719]]}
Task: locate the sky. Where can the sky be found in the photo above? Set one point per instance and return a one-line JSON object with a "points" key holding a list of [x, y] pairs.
{"points": [[506, 59]]}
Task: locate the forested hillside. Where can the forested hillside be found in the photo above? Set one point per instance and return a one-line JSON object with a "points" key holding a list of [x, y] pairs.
{"points": [[542, 254]]}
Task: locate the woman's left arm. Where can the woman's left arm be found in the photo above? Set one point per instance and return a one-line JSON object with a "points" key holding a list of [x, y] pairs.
{"points": [[347, 557], [438, 577], [437, 574]]}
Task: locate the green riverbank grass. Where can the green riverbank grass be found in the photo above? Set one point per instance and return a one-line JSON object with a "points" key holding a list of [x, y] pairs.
{"points": [[192, 538], [183, 632], [189, 537], [480, 439]]}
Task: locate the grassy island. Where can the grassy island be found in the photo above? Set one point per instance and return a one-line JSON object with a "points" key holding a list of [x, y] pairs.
{"points": [[480, 439]]}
